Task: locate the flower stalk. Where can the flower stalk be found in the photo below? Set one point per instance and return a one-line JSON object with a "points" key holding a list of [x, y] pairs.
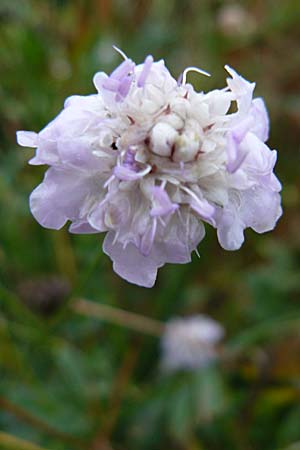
{"points": [[118, 316]]}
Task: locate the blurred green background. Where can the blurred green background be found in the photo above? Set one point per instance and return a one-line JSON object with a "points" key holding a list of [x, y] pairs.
{"points": [[69, 382]]}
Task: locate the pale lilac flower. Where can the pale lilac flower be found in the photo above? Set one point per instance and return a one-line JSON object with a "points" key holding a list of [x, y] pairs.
{"points": [[190, 343], [149, 160], [236, 21]]}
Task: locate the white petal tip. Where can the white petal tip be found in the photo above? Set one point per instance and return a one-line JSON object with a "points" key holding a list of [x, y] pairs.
{"points": [[27, 138]]}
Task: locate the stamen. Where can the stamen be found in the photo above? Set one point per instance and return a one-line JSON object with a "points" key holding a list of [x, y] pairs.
{"points": [[120, 52], [163, 184], [161, 203], [202, 206], [126, 174], [116, 237], [107, 182], [162, 222], [192, 69], [191, 193], [147, 240], [197, 252]]}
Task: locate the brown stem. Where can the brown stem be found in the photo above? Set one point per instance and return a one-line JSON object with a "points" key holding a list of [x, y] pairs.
{"points": [[118, 316], [101, 440]]}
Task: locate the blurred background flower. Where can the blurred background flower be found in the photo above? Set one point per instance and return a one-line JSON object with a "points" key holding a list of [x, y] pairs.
{"points": [[190, 342], [70, 381]]}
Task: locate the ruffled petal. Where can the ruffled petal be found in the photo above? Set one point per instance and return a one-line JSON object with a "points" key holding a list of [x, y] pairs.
{"points": [[261, 209], [180, 238], [241, 88], [255, 208], [82, 227], [230, 230], [60, 197], [130, 264], [261, 123]]}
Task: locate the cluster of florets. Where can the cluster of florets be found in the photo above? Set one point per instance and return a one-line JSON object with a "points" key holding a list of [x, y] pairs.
{"points": [[190, 343], [149, 160]]}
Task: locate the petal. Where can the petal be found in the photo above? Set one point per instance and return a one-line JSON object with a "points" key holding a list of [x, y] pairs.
{"points": [[96, 217], [242, 89], [162, 204], [261, 209], [230, 230], [82, 227], [235, 152], [260, 158], [129, 263], [257, 208], [179, 238], [219, 102], [230, 227], [123, 69], [98, 80], [27, 138], [79, 153], [60, 197], [124, 87], [260, 114], [147, 239], [80, 114], [145, 71], [46, 153]]}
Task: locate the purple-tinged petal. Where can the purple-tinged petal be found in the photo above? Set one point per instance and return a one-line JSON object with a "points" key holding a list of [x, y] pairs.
{"points": [[236, 156], [123, 69], [124, 87], [260, 159], [126, 174], [78, 153], [256, 208], [261, 208], [261, 119], [239, 131], [179, 238], [111, 84], [230, 230], [129, 263], [205, 210], [99, 79], [145, 71], [82, 227], [273, 183], [82, 102], [96, 216], [162, 204], [111, 213], [242, 89], [147, 239], [201, 206], [60, 197]]}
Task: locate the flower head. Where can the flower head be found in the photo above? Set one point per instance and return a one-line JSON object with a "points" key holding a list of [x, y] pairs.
{"points": [[148, 160], [190, 343]]}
